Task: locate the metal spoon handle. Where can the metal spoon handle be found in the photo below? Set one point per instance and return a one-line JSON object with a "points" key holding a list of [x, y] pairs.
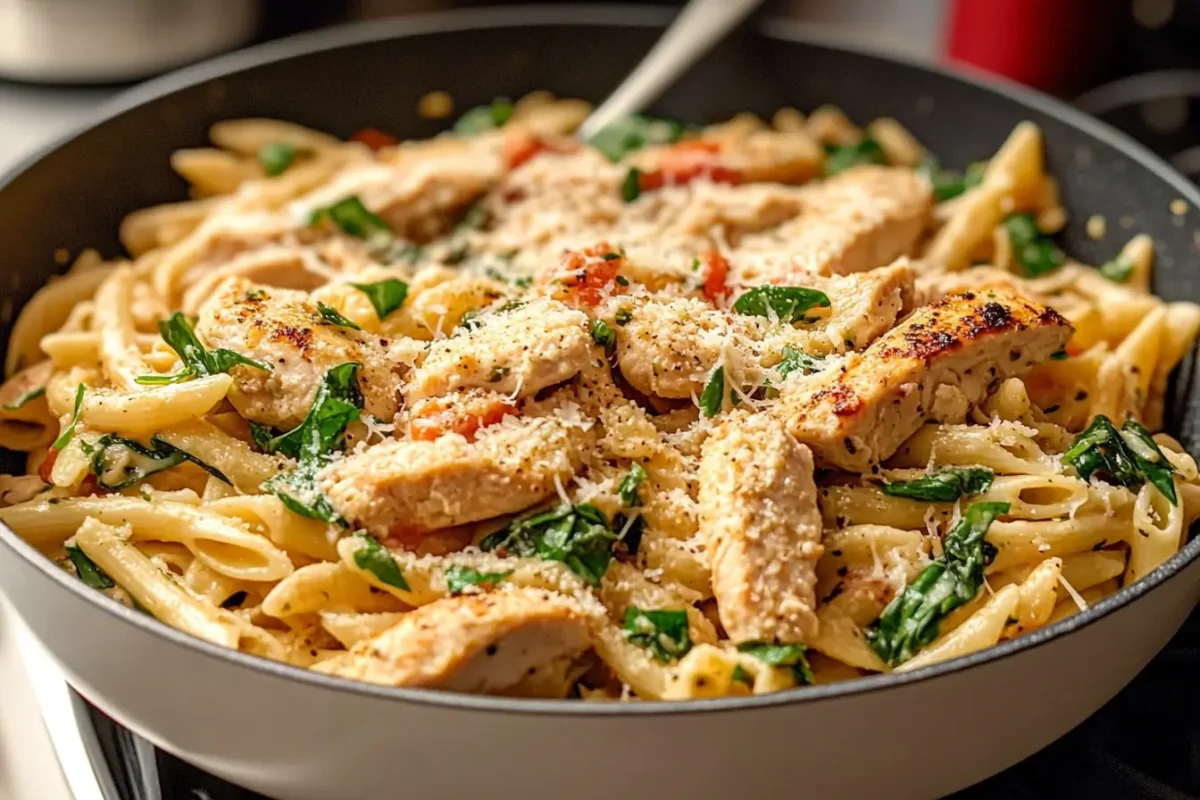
{"points": [[700, 25]]}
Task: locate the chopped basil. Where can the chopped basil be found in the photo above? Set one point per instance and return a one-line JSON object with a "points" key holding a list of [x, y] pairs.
{"points": [[1036, 254], [631, 187], [635, 132], [913, 618], [354, 219], [623, 316], [741, 676], [798, 361], [31, 395], [1128, 457], [91, 575], [386, 296], [459, 578], [603, 334], [375, 558], [713, 396], [485, 118], [498, 374], [781, 655], [948, 184], [944, 486], [64, 438], [577, 535], [1060, 355], [119, 463], [276, 157], [1119, 270], [331, 315], [839, 158], [628, 490], [787, 303], [663, 632], [198, 361], [630, 530]]}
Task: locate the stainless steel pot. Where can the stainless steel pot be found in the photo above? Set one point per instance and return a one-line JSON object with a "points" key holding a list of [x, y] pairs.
{"points": [[293, 734]]}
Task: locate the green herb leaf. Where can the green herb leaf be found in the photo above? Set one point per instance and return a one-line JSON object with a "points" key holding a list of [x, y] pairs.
{"points": [[635, 132], [459, 578], [947, 184], [603, 334], [798, 361], [787, 303], [276, 157], [781, 655], [354, 219], [577, 535], [913, 618], [974, 174], [1036, 254], [663, 632], [386, 296], [485, 118], [119, 463], [376, 559], [741, 676], [631, 186], [1150, 459], [198, 361], [331, 315], [944, 486], [628, 490], [839, 158], [712, 399], [623, 316], [87, 570], [30, 396], [1119, 270], [1101, 450], [64, 438], [300, 494], [630, 530], [1060, 355]]}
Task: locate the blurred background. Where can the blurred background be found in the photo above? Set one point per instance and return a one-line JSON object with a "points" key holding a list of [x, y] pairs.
{"points": [[1132, 62]]}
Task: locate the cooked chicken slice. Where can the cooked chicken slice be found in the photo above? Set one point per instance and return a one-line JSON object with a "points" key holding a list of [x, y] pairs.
{"points": [[279, 327], [857, 414], [405, 488], [519, 352], [760, 520], [865, 305], [484, 644], [862, 218]]}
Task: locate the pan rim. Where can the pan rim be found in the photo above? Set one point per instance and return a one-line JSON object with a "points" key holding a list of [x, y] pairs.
{"points": [[609, 15]]}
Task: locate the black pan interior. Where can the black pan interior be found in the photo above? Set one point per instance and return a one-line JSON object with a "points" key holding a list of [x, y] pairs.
{"points": [[340, 81]]}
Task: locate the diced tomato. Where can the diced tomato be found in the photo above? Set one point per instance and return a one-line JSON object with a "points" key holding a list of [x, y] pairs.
{"points": [[375, 139], [90, 486], [438, 418], [1074, 349], [520, 145], [716, 276], [588, 276], [686, 161], [47, 465]]}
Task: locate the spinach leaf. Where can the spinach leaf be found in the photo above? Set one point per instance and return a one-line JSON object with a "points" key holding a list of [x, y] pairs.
{"points": [[577, 535], [1035, 253], [781, 655], [276, 157], [376, 559], [386, 296], [630, 531], [635, 132], [299, 493], [198, 361], [945, 485], [1060, 355], [603, 334], [459, 578], [485, 118], [787, 303], [119, 463], [712, 399], [64, 438], [331, 315], [28, 397], [623, 317], [631, 186], [663, 632], [1101, 449], [1150, 459], [628, 490], [839, 158], [948, 184], [354, 219], [1119, 270], [87, 570], [797, 360], [912, 619]]}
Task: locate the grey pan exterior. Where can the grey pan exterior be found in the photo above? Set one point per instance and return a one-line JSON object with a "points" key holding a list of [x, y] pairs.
{"points": [[292, 734]]}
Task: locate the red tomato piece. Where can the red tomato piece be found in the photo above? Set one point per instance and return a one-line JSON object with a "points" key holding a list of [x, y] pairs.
{"points": [[590, 275], [716, 276], [436, 419], [375, 139]]}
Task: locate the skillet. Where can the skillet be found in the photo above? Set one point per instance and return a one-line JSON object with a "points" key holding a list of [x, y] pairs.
{"points": [[289, 733]]}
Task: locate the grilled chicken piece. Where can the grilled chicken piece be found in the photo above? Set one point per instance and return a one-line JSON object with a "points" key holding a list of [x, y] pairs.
{"points": [[865, 305], [483, 644], [402, 488], [760, 520], [859, 413], [517, 352], [281, 328], [860, 219]]}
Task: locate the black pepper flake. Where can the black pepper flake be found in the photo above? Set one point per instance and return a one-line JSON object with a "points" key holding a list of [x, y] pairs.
{"points": [[1081, 395]]}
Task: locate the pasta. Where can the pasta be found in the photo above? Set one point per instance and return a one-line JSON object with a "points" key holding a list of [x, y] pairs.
{"points": [[476, 412]]}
